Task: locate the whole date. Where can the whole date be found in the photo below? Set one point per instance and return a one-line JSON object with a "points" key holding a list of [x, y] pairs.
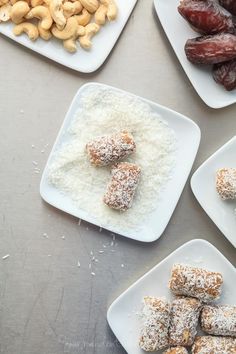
{"points": [[225, 74], [206, 16], [230, 5], [211, 49]]}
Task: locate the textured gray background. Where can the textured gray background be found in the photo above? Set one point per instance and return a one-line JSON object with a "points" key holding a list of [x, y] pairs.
{"points": [[47, 304]]}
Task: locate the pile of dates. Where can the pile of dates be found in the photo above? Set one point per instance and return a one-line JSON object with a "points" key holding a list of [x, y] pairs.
{"points": [[216, 22]]}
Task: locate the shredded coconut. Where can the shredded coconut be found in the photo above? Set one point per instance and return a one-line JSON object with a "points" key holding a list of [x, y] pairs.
{"points": [[184, 320], [216, 345], [226, 183], [219, 320], [105, 111], [6, 256], [196, 282], [155, 318]]}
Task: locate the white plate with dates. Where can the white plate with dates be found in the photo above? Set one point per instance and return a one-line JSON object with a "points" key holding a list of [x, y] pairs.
{"points": [[178, 32], [203, 183], [83, 61], [123, 316]]}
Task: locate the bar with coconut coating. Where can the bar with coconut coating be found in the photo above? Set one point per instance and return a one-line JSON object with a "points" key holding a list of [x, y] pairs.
{"points": [[184, 316], [155, 323], [219, 320], [226, 183], [214, 345], [108, 149], [121, 189], [195, 282], [176, 350]]}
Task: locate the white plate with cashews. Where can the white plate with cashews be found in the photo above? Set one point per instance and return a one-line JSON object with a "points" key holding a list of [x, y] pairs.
{"points": [[203, 183], [82, 60]]}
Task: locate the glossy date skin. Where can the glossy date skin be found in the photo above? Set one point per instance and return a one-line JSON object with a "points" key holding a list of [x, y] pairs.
{"points": [[211, 49], [225, 74], [206, 16], [229, 5]]}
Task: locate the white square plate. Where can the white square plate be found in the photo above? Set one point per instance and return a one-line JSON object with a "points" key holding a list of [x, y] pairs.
{"points": [[122, 315], [188, 138], [178, 31], [203, 184], [82, 60]]}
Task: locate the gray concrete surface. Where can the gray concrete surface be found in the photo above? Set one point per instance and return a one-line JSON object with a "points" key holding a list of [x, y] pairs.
{"points": [[47, 304]]}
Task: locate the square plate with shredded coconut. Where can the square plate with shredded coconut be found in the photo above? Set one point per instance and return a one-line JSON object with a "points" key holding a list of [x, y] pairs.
{"points": [[203, 183], [124, 314], [162, 138], [178, 31], [85, 61]]}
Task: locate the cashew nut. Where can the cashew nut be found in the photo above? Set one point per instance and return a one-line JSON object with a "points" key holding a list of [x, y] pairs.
{"points": [[56, 10], [44, 34], [35, 3], [28, 28], [90, 5], [69, 31], [90, 30], [84, 18], [43, 14], [18, 11], [100, 14], [112, 9], [70, 45], [3, 2], [5, 13], [71, 8]]}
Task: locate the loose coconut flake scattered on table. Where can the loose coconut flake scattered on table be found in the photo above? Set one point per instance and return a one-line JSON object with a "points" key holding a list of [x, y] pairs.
{"points": [[103, 111]]}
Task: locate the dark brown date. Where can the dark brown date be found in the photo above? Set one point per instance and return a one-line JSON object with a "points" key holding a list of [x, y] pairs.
{"points": [[229, 5], [211, 49], [225, 74], [206, 16]]}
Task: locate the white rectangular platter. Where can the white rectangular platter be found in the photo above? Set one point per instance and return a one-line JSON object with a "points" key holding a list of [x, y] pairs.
{"points": [[178, 31], [83, 61], [123, 313]]}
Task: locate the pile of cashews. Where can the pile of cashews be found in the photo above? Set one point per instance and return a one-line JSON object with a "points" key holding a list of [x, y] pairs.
{"points": [[71, 21]]}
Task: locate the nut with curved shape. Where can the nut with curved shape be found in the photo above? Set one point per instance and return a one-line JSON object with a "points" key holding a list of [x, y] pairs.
{"points": [[18, 11], [100, 14], [12, 2], [70, 45], [90, 30], [43, 14], [84, 18], [44, 34], [90, 5], [35, 3], [3, 2], [56, 10], [71, 8], [5, 13], [28, 28], [112, 9], [69, 31]]}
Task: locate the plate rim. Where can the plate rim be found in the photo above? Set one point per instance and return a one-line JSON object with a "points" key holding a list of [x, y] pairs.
{"points": [[194, 126], [193, 183]]}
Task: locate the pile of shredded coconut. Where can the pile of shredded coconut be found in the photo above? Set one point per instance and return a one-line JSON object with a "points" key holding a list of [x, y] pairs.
{"points": [[105, 111]]}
